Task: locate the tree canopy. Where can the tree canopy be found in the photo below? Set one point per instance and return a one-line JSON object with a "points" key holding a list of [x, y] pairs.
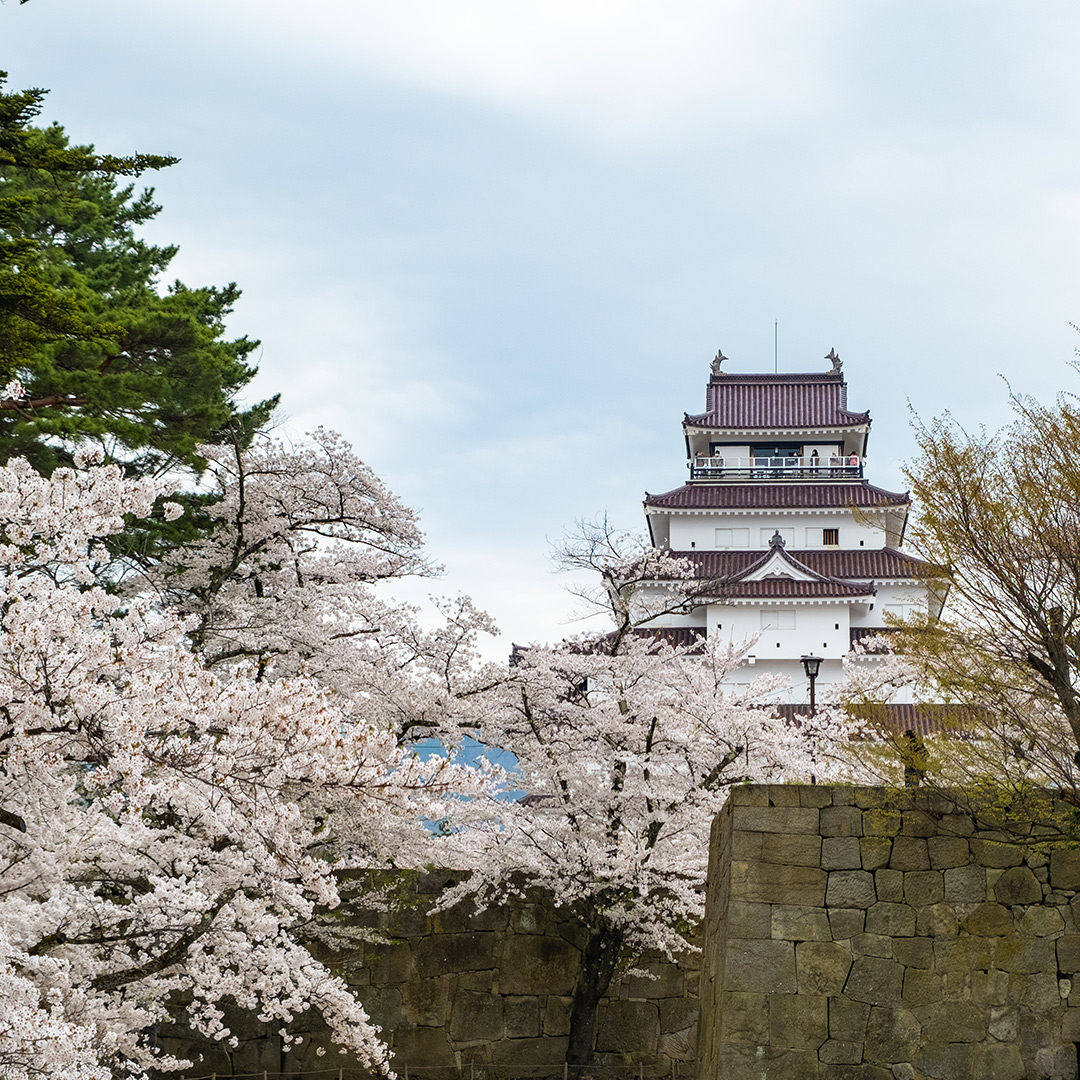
{"points": [[285, 576], [189, 751], [91, 347], [167, 831], [1000, 514], [626, 747]]}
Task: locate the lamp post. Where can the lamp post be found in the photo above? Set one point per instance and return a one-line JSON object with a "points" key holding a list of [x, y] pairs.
{"points": [[811, 665]]}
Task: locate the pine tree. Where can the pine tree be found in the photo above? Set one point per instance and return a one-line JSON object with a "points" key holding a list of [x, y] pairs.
{"points": [[100, 353]]}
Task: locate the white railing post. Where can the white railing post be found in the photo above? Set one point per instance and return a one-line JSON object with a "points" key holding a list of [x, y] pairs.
{"points": [[835, 465]]}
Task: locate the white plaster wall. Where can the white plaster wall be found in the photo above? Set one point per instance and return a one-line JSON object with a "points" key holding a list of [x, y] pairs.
{"points": [[905, 596], [652, 598], [690, 531], [794, 689], [820, 630], [692, 618], [735, 450]]}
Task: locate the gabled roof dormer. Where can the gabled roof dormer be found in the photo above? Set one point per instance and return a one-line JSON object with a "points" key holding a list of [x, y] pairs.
{"points": [[778, 574], [777, 563]]}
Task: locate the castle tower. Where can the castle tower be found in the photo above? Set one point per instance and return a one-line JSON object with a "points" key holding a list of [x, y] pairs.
{"points": [[797, 548]]}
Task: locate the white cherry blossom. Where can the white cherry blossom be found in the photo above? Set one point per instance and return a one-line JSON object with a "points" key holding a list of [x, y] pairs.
{"points": [[169, 830]]}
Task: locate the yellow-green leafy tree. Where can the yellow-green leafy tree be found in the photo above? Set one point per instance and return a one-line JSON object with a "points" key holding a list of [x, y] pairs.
{"points": [[1000, 514]]}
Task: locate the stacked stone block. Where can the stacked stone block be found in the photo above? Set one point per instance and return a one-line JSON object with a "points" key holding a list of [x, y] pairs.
{"points": [[867, 934], [477, 994]]}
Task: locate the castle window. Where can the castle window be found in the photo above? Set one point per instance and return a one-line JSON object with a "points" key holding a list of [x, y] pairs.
{"points": [[778, 619], [822, 538], [732, 538]]}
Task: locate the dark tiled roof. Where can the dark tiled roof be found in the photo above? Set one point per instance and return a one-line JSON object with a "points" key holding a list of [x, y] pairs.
{"points": [[781, 496], [786, 589], [777, 401], [775, 554], [921, 719], [676, 636], [862, 563], [932, 719], [862, 633], [866, 563], [738, 580]]}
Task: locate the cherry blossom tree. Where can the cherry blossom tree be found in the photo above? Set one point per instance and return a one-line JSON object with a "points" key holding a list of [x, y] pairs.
{"points": [[156, 838], [626, 747], [284, 575], [36, 1039], [628, 581]]}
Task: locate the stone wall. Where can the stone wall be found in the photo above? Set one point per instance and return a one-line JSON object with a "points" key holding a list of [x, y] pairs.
{"points": [[862, 934], [485, 993]]}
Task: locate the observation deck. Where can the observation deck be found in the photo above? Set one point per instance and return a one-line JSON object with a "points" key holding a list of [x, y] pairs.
{"points": [[786, 468]]}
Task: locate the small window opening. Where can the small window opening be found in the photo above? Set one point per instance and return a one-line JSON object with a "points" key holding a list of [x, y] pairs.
{"points": [[862, 543], [783, 619], [830, 537], [836, 626], [693, 543]]}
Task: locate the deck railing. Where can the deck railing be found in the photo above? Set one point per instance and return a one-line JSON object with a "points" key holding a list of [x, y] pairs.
{"points": [[789, 467]]}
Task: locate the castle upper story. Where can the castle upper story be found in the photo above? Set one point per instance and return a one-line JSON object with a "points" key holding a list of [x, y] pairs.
{"points": [[776, 428], [776, 452]]}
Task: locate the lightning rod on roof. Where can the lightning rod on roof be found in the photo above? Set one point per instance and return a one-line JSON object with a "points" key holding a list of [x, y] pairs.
{"points": [[775, 344]]}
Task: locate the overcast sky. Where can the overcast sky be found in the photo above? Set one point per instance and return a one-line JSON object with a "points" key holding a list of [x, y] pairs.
{"points": [[497, 244]]}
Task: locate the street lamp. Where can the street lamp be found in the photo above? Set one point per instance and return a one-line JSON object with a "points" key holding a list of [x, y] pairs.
{"points": [[811, 665]]}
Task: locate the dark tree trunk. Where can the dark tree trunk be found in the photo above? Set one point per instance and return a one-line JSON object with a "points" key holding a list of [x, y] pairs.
{"points": [[599, 959]]}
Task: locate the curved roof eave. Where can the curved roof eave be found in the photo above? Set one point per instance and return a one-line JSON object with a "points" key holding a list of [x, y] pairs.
{"points": [[778, 496]]}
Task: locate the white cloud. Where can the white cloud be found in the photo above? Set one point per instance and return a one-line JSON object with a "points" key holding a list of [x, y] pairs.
{"points": [[896, 178], [345, 354], [518, 586], [618, 70]]}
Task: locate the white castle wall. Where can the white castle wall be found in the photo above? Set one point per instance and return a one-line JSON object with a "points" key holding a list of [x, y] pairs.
{"points": [[899, 600], [784, 631], [699, 531]]}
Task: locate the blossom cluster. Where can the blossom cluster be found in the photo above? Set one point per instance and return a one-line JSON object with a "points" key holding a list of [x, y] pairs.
{"points": [[626, 755], [168, 829]]}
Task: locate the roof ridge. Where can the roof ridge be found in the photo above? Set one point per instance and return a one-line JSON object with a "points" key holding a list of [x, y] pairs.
{"points": [[779, 376], [853, 564], [786, 556], [793, 494]]}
